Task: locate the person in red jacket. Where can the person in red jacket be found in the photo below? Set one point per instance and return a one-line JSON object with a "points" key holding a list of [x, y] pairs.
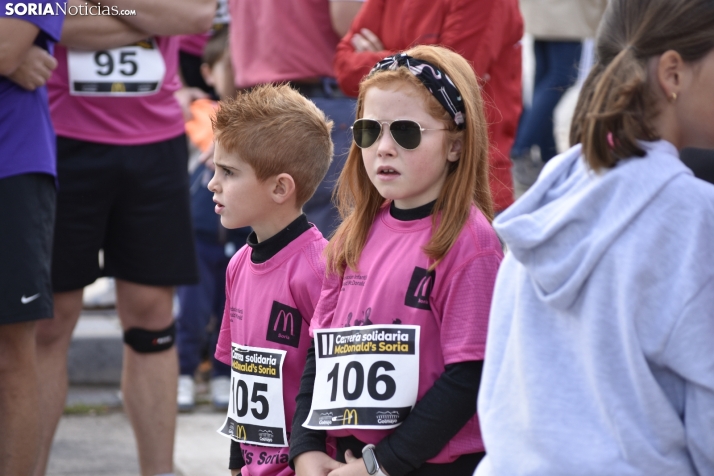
{"points": [[485, 32]]}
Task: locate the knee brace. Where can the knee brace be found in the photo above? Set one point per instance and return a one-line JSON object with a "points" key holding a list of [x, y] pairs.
{"points": [[146, 342]]}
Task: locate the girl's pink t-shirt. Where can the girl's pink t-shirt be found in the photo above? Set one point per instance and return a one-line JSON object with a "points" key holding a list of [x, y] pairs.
{"points": [[452, 315], [256, 294], [118, 120]]}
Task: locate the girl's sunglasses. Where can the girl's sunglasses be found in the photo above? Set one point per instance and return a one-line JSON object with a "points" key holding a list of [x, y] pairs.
{"points": [[407, 134]]}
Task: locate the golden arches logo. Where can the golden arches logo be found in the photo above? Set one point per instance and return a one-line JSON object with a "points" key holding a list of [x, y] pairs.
{"points": [[347, 416], [118, 88], [240, 432]]}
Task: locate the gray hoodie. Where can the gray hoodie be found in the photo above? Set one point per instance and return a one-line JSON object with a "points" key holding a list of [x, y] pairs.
{"points": [[600, 350]]}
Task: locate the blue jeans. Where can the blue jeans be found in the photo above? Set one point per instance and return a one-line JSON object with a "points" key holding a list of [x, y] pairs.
{"points": [[319, 209], [197, 304], [556, 70]]}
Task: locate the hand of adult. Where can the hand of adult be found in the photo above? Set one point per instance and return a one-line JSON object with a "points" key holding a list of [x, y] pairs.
{"points": [[365, 40], [35, 69], [235, 472], [185, 96], [315, 463]]}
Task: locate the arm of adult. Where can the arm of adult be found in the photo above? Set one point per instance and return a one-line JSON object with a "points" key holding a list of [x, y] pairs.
{"points": [[35, 69], [350, 64], [16, 39], [168, 17], [342, 12], [97, 32], [477, 31]]}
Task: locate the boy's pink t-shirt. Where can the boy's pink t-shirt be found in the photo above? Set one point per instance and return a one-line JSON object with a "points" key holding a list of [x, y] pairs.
{"points": [[452, 315], [120, 120], [292, 279]]}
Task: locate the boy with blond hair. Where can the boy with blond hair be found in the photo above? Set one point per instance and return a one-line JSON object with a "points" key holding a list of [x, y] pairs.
{"points": [[273, 148]]}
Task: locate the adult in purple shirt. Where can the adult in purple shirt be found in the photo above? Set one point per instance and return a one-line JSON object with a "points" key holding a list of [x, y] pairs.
{"points": [[27, 195], [137, 129]]}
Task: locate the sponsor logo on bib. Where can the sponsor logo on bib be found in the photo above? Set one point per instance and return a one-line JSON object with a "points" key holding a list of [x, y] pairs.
{"points": [[284, 325], [237, 432], [347, 417]]}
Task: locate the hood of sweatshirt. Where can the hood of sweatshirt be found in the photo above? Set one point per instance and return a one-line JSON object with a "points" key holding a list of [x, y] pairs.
{"points": [[563, 225]]}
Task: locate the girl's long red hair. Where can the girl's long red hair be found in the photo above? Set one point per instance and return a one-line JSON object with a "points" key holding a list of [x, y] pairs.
{"points": [[466, 182]]}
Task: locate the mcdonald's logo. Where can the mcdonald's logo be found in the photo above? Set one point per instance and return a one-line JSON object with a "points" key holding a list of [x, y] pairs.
{"points": [[347, 416], [420, 287], [284, 318], [424, 288], [240, 433], [284, 325], [118, 88]]}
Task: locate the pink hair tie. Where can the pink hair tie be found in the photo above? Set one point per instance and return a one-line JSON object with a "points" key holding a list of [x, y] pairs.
{"points": [[611, 140]]}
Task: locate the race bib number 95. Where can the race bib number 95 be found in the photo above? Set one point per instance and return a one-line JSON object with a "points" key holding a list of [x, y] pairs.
{"points": [[132, 70], [366, 377], [256, 413]]}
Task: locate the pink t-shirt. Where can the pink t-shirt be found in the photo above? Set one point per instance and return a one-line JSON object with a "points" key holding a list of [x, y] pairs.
{"points": [[120, 120], [452, 307], [275, 40], [194, 44], [258, 296]]}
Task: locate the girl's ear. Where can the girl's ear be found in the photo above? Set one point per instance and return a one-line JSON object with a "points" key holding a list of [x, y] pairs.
{"points": [[282, 188], [670, 70], [455, 151]]}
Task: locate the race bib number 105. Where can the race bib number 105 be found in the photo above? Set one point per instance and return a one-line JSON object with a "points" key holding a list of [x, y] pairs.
{"points": [[132, 70], [256, 413], [366, 377]]}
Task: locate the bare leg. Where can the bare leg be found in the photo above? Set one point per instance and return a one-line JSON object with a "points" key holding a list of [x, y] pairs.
{"points": [[19, 403], [149, 381], [53, 339]]}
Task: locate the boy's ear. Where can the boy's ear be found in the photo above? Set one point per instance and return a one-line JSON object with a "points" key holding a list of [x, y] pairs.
{"points": [[282, 188], [455, 150], [206, 73]]}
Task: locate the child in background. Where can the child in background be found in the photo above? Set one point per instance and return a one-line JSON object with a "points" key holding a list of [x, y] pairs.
{"points": [[273, 148], [400, 328], [600, 355], [201, 305]]}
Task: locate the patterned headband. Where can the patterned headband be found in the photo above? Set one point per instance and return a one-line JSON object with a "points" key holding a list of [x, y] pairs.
{"points": [[438, 83]]}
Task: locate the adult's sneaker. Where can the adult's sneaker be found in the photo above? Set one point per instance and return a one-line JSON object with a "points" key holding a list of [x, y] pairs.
{"points": [[220, 392], [186, 397]]}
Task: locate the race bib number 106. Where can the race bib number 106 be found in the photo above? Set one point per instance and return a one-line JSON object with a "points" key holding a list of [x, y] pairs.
{"points": [[366, 377], [256, 413]]}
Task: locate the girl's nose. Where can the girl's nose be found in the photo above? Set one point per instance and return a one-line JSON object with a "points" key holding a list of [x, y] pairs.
{"points": [[385, 143]]}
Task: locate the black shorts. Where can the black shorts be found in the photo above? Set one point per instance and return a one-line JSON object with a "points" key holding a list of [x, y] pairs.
{"points": [[130, 201], [27, 216]]}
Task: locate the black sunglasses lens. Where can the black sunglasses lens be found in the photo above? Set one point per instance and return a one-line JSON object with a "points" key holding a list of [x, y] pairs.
{"points": [[366, 132], [406, 133]]}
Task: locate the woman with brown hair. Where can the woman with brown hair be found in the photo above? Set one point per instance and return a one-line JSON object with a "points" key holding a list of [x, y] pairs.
{"points": [[600, 341]]}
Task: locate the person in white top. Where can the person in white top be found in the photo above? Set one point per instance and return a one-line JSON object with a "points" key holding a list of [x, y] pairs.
{"points": [[599, 356]]}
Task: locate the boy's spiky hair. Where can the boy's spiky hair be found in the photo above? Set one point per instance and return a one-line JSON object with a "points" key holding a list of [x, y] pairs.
{"points": [[276, 130]]}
